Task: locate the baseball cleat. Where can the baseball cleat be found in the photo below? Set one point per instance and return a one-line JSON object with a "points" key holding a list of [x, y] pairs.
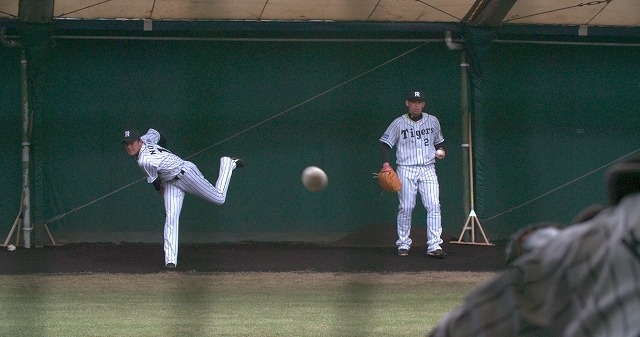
{"points": [[437, 254], [239, 162], [170, 265], [403, 252]]}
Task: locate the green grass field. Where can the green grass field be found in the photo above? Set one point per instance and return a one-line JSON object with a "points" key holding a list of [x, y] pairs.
{"points": [[230, 304]]}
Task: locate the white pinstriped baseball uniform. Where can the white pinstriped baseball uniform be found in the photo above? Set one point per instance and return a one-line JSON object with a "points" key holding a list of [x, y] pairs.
{"points": [[415, 159], [179, 176], [583, 282]]}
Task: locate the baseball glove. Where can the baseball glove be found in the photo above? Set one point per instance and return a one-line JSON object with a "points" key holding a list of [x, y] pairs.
{"points": [[388, 179]]}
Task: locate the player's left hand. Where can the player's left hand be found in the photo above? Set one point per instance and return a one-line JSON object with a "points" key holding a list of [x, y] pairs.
{"points": [[161, 191]]}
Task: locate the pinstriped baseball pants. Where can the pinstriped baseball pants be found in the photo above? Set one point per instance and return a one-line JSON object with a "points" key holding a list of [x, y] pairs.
{"points": [[419, 179], [192, 182]]}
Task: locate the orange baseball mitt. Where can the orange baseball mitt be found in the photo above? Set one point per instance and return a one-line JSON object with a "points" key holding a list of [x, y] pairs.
{"points": [[388, 179]]}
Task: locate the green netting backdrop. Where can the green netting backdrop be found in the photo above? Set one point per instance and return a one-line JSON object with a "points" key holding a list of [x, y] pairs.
{"points": [[554, 117]]}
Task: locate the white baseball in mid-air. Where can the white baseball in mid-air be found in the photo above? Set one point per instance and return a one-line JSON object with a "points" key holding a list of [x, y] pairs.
{"points": [[11, 248], [314, 179]]}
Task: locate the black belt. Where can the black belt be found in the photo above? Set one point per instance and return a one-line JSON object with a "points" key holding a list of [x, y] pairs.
{"points": [[178, 175]]}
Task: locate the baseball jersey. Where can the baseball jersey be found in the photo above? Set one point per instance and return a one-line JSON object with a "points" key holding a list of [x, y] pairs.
{"points": [[583, 282], [415, 140], [156, 161]]}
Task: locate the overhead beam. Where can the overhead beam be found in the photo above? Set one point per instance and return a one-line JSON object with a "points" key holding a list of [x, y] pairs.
{"points": [[488, 13]]}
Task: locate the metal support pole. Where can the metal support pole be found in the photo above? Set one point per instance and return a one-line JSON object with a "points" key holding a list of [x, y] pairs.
{"points": [[472, 220], [26, 131]]}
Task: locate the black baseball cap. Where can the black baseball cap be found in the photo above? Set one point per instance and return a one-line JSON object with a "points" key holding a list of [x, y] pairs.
{"points": [[130, 135], [415, 95]]}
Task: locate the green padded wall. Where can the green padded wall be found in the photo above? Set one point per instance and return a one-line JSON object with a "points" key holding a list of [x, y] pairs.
{"points": [[10, 137], [281, 106], [556, 116]]}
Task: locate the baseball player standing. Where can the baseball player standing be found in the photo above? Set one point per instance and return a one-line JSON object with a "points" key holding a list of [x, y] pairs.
{"points": [[584, 281], [172, 177], [416, 136]]}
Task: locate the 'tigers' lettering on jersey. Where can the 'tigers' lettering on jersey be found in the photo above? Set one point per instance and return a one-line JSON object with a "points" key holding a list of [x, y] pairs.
{"points": [[416, 134]]}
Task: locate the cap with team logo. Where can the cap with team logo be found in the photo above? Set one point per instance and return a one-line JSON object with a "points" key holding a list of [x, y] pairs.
{"points": [[415, 96], [130, 135]]}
